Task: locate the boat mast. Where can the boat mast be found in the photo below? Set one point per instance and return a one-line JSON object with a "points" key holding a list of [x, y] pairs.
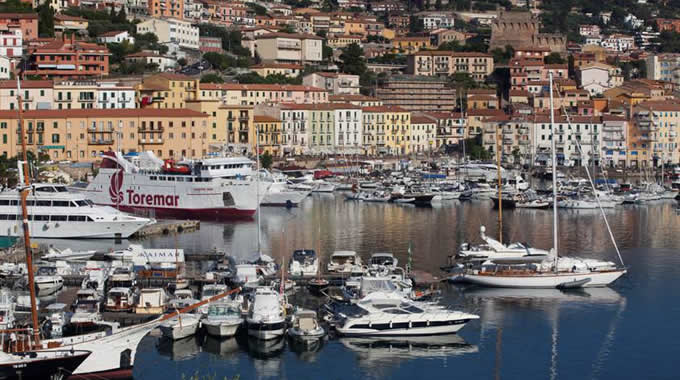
{"points": [[554, 169], [24, 211], [257, 184], [499, 184]]}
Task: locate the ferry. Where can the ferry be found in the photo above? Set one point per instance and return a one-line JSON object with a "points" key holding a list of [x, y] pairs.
{"points": [[54, 212], [213, 188]]}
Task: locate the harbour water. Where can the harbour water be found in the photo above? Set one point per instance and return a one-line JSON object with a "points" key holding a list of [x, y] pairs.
{"points": [[626, 331]]}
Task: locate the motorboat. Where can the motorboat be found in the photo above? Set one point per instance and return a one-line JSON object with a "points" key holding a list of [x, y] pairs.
{"points": [[120, 299], [180, 327], [498, 252], [246, 275], [47, 281], [279, 193], [151, 301], [183, 298], [323, 187], [209, 291], [306, 328], [303, 263], [390, 314], [41, 365], [375, 196], [223, 319], [56, 321], [86, 308], [54, 212], [383, 260], [67, 254], [266, 318], [318, 285], [344, 262]]}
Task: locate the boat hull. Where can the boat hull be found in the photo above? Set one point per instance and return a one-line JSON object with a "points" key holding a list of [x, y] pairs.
{"points": [[176, 332], [548, 280], [221, 329], [451, 327], [266, 330], [43, 369], [74, 230]]}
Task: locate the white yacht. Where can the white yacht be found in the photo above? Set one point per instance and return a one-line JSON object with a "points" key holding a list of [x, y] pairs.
{"points": [[266, 315], [498, 252], [279, 193], [246, 275], [391, 314], [306, 328], [180, 327], [323, 187], [67, 254], [303, 263], [86, 310], [383, 259], [183, 298], [120, 299], [54, 212], [344, 262], [47, 281], [223, 319]]}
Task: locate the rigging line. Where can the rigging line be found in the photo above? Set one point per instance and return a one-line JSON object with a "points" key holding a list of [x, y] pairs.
{"points": [[597, 196]]}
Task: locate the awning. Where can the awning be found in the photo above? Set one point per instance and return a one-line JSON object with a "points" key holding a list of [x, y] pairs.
{"points": [[66, 67], [47, 66], [610, 152]]}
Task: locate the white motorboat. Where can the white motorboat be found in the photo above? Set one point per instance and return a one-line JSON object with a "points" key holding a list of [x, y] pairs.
{"points": [[375, 196], [120, 299], [180, 327], [304, 263], [246, 275], [47, 281], [86, 309], [323, 187], [54, 212], [482, 191], [344, 262], [306, 328], [223, 319], [279, 193], [208, 291], [151, 301], [266, 315], [182, 298], [383, 259], [67, 254], [496, 251], [56, 320], [390, 314]]}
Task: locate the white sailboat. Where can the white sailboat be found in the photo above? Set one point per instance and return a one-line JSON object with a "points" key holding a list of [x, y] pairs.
{"points": [[557, 272]]}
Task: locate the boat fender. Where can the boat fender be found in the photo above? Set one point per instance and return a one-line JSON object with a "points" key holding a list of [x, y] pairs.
{"points": [[390, 324]]}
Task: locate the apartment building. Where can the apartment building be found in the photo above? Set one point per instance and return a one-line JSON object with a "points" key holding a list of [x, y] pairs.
{"points": [[172, 31], [357, 100], [614, 141], [653, 134], [596, 78], [386, 130], [585, 131], [436, 20], [83, 134], [510, 133], [35, 94], [11, 43], [68, 59], [166, 90], [269, 134], [663, 67], [253, 94], [26, 22], [437, 62], [334, 83], [417, 93], [423, 133], [410, 45], [166, 8], [288, 48], [286, 69]]}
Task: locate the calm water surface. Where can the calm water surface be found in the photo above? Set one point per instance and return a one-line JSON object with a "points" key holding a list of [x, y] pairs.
{"points": [[623, 332]]}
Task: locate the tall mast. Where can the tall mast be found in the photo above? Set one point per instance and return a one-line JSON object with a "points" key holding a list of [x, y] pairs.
{"points": [[24, 212], [257, 182], [499, 183], [554, 169]]}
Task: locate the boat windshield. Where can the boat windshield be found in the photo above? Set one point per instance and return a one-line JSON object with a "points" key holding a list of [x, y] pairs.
{"points": [[47, 271], [222, 310]]}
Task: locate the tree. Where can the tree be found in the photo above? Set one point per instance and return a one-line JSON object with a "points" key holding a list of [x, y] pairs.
{"points": [[353, 61], [266, 160], [554, 59], [212, 78], [45, 20], [258, 9], [416, 24], [288, 28], [182, 62]]}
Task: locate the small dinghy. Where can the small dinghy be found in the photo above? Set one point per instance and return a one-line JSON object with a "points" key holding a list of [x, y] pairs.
{"points": [[306, 327], [573, 284], [184, 325]]}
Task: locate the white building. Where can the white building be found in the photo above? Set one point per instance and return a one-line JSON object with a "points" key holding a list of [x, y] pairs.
{"points": [[288, 48], [585, 130], [113, 95], [162, 62], [662, 66], [436, 20], [334, 83], [11, 43], [116, 36], [5, 67], [172, 30], [614, 135], [599, 77], [618, 42]]}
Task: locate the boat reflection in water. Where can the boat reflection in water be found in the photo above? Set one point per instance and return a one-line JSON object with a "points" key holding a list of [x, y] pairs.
{"points": [[224, 348], [266, 355], [377, 352], [182, 349], [306, 351]]}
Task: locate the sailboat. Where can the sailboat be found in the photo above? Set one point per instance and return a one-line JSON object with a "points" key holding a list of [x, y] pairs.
{"points": [[112, 352], [555, 272]]}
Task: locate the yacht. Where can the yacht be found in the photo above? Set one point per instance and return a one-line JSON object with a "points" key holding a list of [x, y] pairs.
{"points": [[40, 365], [266, 318], [151, 301], [183, 298], [306, 328], [67, 254], [246, 275], [303, 263], [223, 319], [180, 327], [323, 187], [209, 291], [279, 193], [390, 314], [120, 299], [479, 170], [54, 212], [498, 252], [344, 262], [385, 259], [47, 281], [86, 308]]}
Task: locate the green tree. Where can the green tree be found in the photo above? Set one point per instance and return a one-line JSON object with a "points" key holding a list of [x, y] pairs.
{"points": [[353, 61], [45, 20], [258, 9], [182, 62], [212, 78], [416, 25], [554, 59], [266, 160]]}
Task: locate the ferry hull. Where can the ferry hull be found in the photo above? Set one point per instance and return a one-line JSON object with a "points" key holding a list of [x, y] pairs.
{"points": [[183, 213], [73, 230]]}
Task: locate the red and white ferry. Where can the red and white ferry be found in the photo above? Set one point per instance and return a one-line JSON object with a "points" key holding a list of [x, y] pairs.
{"points": [[213, 188]]}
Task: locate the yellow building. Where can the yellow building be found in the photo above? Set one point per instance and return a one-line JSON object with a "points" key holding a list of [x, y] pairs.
{"points": [[410, 44], [387, 130], [269, 133], [82, 134], [654, 134], [166, 90], [289, 70]]}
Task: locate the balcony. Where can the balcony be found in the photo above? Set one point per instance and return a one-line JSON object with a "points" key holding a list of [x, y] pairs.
{"points": [[150, 129], [243, 118], [100, 142], [157, 141]]}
